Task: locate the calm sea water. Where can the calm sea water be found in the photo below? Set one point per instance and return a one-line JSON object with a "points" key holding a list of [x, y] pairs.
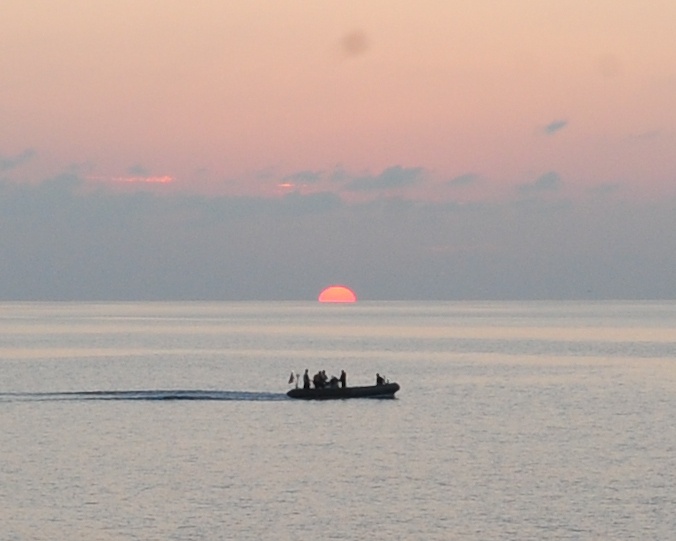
{"points": [[169, 421]]}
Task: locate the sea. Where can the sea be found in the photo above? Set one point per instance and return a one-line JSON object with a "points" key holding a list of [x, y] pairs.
{"points": [[170, 421]]}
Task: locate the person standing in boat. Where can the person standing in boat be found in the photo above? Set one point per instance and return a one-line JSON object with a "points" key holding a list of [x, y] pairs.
{"points": [[306, 380], [380, 380], [343, 379]]}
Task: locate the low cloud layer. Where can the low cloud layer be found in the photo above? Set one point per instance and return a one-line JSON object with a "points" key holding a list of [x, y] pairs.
{"points": [[391, 178], [63, 240], [8, 163], [463, 180], [547, 182]]}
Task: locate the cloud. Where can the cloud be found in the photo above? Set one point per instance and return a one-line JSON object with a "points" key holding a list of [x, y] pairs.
{"points": [[605, 189], [339, 174], [391, 178], [548, 182], [138, 171], [10, 162], [354, 43], [648, 135], [296, 203], [555, 126], [463, 180], [304, 177], [133, 179]]}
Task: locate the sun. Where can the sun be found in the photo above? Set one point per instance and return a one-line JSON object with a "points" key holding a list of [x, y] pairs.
{"points": [[337, 294]]}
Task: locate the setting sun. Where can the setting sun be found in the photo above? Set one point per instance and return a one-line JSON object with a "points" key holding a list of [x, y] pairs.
{"points": [[337, 294]]}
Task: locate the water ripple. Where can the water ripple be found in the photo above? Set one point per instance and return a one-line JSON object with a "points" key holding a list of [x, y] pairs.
{"points": [[155, 394]]}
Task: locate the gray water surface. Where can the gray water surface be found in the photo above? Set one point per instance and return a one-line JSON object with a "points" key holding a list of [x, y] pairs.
{"points": [[169, 421]]}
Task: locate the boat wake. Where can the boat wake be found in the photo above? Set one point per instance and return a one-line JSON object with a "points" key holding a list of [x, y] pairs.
{"points": [[148, 395]]}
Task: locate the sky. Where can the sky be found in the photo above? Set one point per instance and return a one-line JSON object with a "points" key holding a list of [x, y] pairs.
{"points": [[253, 150]]}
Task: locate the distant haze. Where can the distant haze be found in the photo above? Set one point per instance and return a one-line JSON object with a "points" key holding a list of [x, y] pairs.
{"points": [[61, 241]]}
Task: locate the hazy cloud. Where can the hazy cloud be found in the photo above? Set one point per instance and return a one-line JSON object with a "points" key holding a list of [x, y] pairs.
{"points": [[339, 174], [316, 202], [555, 126], [390, 178], [10, 162], [646, 135], [138, 170], [304, 177], [463, 180], [605, 189], [548, 182], [354, 43]]}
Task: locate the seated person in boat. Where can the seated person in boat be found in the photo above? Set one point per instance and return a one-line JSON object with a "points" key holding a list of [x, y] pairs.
{"points": [[333, 382], [319, 380]]}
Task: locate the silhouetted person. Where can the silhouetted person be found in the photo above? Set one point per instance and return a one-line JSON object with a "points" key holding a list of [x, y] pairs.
{"points": [[306, 380], [380, 380], [343, 379], [318, 380]]}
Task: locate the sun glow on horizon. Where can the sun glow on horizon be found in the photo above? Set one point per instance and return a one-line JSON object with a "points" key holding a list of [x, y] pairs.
{"points": [[136, 179], [337, 293]]}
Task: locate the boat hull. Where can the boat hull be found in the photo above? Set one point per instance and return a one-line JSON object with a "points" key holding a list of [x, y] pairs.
{"points": [[386, 390]]}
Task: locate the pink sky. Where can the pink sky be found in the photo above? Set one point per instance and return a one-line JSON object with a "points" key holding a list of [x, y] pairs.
{"points": [[241, 96]]}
